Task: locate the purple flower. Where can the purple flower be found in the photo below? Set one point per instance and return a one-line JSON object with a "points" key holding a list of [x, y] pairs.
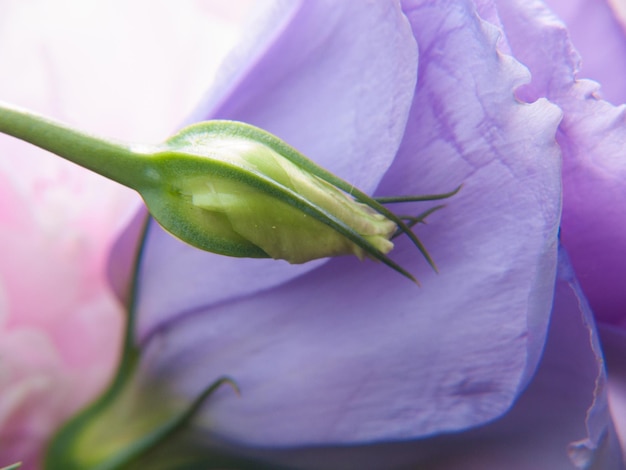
{"points": [[593, 138], [494, 362]]}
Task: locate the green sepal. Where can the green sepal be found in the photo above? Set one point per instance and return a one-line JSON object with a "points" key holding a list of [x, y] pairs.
{"points": [[412, 220], [420, 198]]}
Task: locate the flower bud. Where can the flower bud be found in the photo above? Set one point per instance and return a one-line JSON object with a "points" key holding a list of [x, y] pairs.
{"points": [[236, 190]]}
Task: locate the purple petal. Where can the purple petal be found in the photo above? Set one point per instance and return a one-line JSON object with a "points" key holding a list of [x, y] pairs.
{"points": [[123, 256], [601, 41], [351, 352], [560, 422], [592, 136], [614, 346], [340, 98], [466, 125]]}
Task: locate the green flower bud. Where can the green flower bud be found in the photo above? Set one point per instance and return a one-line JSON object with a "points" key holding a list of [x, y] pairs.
{"points": [[224, 188], [236, 190]]}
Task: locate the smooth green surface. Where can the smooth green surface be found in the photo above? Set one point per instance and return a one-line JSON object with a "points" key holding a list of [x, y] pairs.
{"points": [[116, 161]]}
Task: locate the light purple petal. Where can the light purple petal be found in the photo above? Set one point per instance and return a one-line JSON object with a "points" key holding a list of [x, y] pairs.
{"points": [[592, 136], [614, 346], [351, 352], [561, 422], [600, 39], [123, 256], [618, 8], [341, 98], [466, 125]]}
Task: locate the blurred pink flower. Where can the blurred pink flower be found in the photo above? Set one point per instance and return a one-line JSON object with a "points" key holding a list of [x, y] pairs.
{"points": [[60, 324]]}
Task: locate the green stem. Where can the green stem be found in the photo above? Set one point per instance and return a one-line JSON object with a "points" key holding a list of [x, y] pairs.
{"points": [[115, 161]]}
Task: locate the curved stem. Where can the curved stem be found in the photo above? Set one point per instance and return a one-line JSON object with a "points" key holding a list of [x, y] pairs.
{"points": [[115, 161]]}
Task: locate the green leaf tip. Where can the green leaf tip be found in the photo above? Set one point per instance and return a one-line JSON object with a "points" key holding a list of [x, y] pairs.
{"points": [[130, 431], [159, 435]]}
